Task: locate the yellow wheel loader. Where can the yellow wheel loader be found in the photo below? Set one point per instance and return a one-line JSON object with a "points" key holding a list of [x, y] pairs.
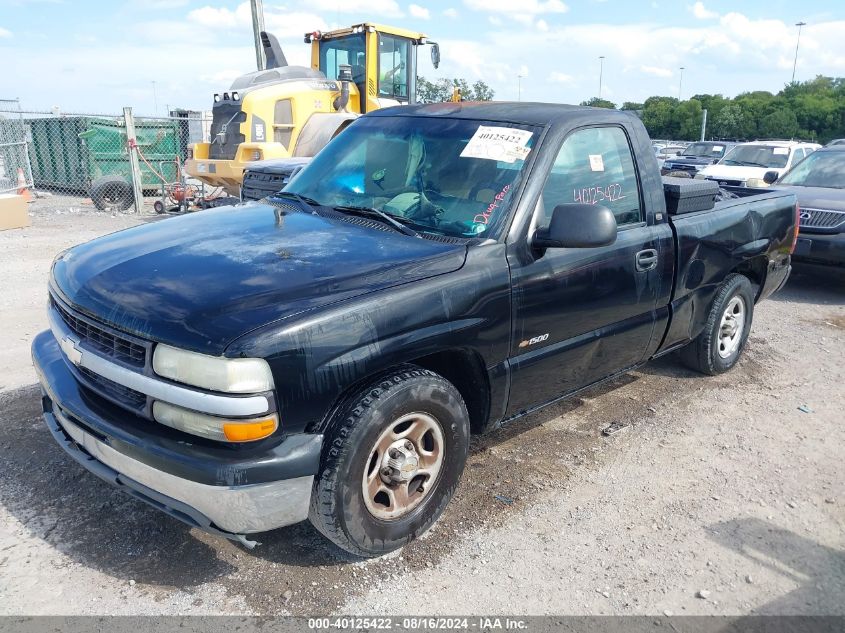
{"points": [[293, 111]]}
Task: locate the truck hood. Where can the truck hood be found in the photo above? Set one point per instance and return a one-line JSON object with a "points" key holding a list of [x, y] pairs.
{"points": [[201, 280], [827, 198], [736, 172], [689, 160]]}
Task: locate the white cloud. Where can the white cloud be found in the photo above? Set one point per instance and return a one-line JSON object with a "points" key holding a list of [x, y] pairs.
{"points": [[524, 7], [657, 71], [417, 11], [450, 12], [213, 17], [702, 13], [559, 77], [280, 23], [495, 20], [542, 25], [5, 32], [379, 8]]}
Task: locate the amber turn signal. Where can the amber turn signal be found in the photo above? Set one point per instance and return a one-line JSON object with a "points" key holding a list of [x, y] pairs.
{"points": [[249, 431]]}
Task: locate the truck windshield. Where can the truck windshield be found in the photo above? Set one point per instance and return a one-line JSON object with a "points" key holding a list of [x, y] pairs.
{"points": [[768, 156], [455, 177], [706, 150], [819, 169], [340, 51]]}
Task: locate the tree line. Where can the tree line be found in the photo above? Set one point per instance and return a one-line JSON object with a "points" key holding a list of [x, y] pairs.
{"points": [[812, 110]]}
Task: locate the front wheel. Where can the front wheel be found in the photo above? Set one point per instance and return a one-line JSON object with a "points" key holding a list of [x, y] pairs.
{"points": [[393, 457], [726, 331]]}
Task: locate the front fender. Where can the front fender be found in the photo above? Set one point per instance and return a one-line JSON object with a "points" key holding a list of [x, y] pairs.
{"points": [[319, 356]]}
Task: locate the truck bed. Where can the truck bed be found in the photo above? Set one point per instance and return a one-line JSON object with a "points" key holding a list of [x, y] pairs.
{"points": [[751, 233]]}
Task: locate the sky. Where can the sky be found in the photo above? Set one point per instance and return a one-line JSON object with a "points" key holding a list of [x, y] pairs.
{"points": [[98, 56]]}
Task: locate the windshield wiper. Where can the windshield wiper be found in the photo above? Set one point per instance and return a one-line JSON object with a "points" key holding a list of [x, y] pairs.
{"points": [[385, 217], [306, 202]]}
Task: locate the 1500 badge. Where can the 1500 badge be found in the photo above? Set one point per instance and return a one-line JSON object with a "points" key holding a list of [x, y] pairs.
{"points": [[536, 339]]}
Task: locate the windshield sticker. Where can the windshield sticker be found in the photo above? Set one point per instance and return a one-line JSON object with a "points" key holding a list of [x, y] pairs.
{"points": [[503, 144], [717, 148], [780, 151], [484, 218], [595, 195], [596, 162]]}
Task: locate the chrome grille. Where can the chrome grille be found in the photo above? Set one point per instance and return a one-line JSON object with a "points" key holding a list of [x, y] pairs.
{"points": [[102, 338], [118, 394], [821, 218]]}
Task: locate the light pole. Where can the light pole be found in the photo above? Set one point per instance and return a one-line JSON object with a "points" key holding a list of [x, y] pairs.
{"points": [[601, 72], [797, 43], [257, 9], [155, 98], [680, 82], [519, 87]]}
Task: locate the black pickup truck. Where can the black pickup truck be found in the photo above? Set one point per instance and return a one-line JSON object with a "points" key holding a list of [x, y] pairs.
{"points": [[435, 271]]}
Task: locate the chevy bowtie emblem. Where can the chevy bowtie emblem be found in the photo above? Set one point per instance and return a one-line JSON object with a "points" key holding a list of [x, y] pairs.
{"points": [[73, 353]]}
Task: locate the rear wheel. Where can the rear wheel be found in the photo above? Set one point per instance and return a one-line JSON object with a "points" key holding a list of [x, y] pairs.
{"points": [[393, 457], [723, 338]]}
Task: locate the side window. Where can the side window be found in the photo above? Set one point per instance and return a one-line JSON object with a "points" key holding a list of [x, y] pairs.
{"points": [[594, 166], [393, 67], [798, 156]]}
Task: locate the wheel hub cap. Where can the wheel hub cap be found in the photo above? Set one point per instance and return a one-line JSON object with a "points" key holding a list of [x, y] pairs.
{"points": [[731, 327], [403, 466], [400, 462]]}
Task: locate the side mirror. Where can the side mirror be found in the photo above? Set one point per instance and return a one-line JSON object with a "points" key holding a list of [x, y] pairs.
{"points": [[435, 54], [578, 226], [769, 177]]}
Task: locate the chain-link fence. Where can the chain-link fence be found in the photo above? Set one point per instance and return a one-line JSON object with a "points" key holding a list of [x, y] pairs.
{"points": [[107, 162]]}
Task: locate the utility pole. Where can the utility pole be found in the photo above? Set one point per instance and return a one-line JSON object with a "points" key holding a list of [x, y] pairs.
{"points": [[155, 98], [257, 7], [681, 83], [601, 72], [797, 43]]}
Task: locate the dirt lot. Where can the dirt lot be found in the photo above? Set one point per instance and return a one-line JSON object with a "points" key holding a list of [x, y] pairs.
{"points": [[721, 496]]}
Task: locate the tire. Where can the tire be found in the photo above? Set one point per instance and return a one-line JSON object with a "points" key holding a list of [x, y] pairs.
{"points": [[711, 353], [112, 193], [370, 524]]}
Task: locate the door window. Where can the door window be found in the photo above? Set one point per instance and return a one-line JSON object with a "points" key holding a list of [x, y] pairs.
{"points": [[594, 166], [393, 67]]}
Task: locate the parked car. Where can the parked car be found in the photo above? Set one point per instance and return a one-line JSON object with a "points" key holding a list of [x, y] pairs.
{"points": [[837, 141], [751, 161], [667, 151], [435, 271], [695, 157], [819, 184], [265, 177]]}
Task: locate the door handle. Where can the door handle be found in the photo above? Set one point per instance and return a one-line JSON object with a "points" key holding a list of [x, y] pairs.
{"points": [[646, 260]]}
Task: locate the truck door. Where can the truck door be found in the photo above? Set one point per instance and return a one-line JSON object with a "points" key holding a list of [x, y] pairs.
{"points": [[581, 314]]}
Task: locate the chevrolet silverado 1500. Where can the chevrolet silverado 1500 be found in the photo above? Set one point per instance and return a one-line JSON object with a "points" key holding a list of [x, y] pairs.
{"points": [[436, 271]]}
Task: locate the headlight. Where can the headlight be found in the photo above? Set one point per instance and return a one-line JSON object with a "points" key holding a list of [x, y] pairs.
{"points": [[230, 375], [212, 427]]}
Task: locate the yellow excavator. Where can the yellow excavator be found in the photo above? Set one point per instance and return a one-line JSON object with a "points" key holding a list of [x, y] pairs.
{"points": [[293, 111]]}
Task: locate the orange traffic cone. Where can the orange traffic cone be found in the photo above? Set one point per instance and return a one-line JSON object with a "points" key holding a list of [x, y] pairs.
{"points": [[22, 189]]}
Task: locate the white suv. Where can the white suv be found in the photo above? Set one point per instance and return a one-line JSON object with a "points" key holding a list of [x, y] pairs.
{"points": [[752, 160]]}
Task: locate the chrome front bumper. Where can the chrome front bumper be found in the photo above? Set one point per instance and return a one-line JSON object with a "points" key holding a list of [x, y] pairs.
{"points": [[228, 510], [235, 509]]}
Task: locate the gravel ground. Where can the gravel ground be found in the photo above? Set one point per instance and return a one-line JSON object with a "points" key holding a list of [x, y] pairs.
{"points": [[719, 497]]}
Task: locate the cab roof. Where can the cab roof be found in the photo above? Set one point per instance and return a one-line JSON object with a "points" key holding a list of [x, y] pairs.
{"points": [[539, 114]]}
